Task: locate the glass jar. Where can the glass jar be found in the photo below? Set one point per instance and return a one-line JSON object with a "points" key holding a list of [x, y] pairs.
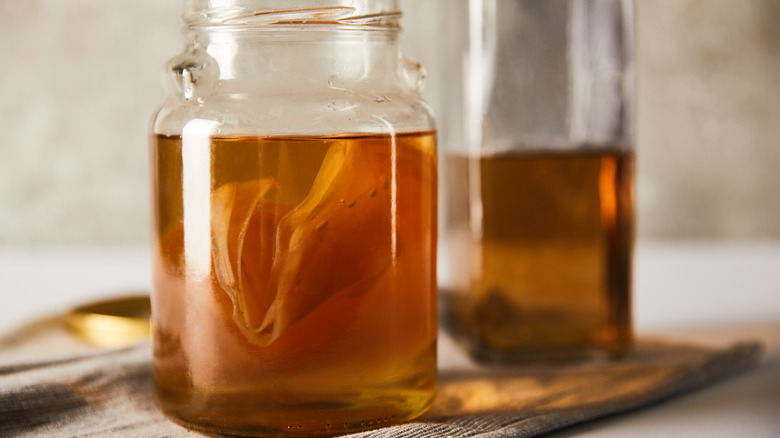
{"points": [[540, 210], [294, 198]]}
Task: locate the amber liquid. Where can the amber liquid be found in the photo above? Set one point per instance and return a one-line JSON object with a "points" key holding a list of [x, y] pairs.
{"points": [[549, 263], [294, 282]]}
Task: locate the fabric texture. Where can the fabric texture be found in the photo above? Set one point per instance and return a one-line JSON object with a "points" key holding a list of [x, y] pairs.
{"points": [[109, 393]]}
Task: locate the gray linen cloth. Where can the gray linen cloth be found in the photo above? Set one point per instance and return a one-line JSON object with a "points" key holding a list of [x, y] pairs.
{"points": [[109, 393]]}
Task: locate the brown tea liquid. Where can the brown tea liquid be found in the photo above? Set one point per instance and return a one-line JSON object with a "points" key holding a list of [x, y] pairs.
{"points": [[549, 264], [294, 281]]}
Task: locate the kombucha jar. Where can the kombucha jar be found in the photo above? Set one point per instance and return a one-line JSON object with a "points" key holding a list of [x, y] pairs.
{"points": [[294, 175], [540, 209]]}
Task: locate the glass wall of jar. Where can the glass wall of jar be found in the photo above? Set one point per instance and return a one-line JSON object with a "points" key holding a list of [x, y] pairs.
{"points": [[539, 208], [294, 182]]}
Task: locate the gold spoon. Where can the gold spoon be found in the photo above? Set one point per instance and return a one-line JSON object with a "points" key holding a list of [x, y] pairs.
{"points": [[116, 322]]}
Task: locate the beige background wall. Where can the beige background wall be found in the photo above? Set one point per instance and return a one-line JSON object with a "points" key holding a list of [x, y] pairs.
{"points": [[80, 78], [709, 118]]}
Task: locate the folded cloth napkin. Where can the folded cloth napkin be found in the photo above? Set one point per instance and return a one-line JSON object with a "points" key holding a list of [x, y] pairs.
{"points": [[110, 393]]}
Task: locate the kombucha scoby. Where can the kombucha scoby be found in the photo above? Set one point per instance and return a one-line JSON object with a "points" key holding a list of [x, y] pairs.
{"points": [[294, 281]]}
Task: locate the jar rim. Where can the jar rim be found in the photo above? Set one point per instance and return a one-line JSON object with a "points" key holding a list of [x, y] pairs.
{"points": [[298, 18]]}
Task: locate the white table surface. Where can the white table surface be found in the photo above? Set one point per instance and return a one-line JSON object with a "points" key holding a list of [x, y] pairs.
{"points": [[701, 291]]}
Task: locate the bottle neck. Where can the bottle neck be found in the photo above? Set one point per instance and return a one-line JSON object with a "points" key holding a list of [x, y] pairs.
{"points": [[352, 54], [288, 46], [284, 61]]}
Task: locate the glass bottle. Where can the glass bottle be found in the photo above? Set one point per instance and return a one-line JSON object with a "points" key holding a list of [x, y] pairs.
{"points": [[540, 211], [294, 200]]}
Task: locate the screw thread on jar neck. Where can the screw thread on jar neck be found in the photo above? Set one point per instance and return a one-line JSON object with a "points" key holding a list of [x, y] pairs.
{"points": [[373, 15]]}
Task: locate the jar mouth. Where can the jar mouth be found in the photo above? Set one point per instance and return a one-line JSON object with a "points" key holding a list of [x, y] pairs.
{"points": [[345, 17]]}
